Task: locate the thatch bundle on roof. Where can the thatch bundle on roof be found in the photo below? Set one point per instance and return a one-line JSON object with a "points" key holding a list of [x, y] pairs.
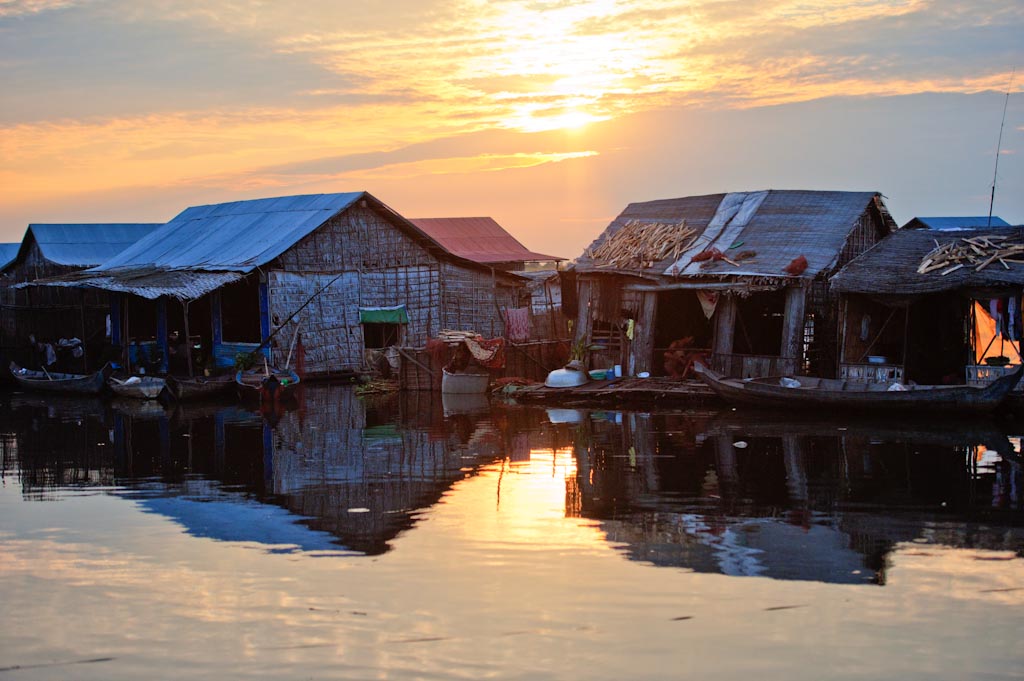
{"points": [[639, 245], [977, 251]]}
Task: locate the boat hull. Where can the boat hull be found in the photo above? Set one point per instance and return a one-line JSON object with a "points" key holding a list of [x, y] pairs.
{"points": [[199, 387], [147, 388], [257, 385], [79, 384], [828, 394]]}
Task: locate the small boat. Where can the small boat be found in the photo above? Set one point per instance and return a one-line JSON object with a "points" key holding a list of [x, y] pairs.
{"points": [[271, 385], [805, 391], [137, 387], [199, 387], [464, 384], [82, 384]]}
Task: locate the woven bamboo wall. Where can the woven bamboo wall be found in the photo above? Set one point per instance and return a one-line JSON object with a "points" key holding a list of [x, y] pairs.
{"points": [[472, 300], [383, 266]]}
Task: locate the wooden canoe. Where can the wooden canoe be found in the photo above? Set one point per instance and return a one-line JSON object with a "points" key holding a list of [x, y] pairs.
{"points": [[81, 384], [146, 388], [827, 393], [199, 387]]}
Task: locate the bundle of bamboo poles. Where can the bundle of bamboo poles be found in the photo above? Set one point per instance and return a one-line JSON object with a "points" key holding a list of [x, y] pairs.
{"points": [[977, 251], [639, 245]]}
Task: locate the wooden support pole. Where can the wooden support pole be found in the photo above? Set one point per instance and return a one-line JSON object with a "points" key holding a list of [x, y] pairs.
{"points": [[188, 340], [793, 326], [641, 356], [725, 325]]}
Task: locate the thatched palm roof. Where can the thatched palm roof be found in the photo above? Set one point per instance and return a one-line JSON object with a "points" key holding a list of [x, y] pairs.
{"points": [[891, 266], [775, 225]]}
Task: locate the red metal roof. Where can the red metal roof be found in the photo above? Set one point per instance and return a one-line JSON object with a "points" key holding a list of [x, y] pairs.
{"points": [[479, 239]]}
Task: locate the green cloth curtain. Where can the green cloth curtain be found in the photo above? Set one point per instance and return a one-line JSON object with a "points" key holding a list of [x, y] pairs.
{"points": [[383, 315]]}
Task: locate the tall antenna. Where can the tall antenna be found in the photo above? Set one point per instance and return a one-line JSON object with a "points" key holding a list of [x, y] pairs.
{"points": [[999, 147]]}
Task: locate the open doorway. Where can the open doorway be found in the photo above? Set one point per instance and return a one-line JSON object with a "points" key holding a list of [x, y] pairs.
{"points": [[681, 329], [759, 322]]}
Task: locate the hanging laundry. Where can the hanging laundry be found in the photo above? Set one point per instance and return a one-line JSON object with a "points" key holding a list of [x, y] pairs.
{"points": [[708, 302], [517, 323], [630, 328], [996, 308], [51, 354], [1013, 323]]}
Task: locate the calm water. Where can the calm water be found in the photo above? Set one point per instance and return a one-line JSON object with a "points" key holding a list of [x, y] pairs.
{"points": [[404, 537]]}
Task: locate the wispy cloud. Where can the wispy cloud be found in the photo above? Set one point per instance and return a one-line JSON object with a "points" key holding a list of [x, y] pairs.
{"points": [[167, 92], [14, 8]]}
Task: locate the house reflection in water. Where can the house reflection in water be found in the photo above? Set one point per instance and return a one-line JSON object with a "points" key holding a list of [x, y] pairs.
{"points": [[804, 501], [717, 493], [352, 473]]}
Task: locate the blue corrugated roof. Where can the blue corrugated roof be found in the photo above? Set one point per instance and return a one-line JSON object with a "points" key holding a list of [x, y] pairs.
{"points": [[86, 244], [966, 222], [233, 237], [8, 252]]}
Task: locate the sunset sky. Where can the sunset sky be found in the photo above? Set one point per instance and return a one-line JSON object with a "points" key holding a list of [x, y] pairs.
{"points": [[548, 115]]}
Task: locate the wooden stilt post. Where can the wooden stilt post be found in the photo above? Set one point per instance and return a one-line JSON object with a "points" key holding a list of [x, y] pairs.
{"points": [[793, 328], [188, 340]]}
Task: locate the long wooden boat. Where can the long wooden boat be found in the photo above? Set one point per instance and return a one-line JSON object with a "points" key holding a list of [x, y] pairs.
{"points": [[199, 387], [827, 393], [81, 384], [274, 386], [144, 388]]}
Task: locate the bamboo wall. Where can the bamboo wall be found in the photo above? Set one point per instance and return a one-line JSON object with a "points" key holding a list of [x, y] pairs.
{"points": [[380, 266]]}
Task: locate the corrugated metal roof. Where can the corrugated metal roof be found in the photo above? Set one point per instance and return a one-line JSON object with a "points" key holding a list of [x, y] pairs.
{"points": [[234, 237], [481, 240], [890, 267], [786, 224], [86, 245], [962, 222], [8, 252]]}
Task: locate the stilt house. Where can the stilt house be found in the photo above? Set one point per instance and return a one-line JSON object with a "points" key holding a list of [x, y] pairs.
{"points": [[484, 241], [332, 274], [738, 279], [933, 307], [49, 250]]}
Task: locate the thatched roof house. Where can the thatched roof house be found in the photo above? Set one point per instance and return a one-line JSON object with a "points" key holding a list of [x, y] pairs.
{"points": [[344, 269], [907, 299], [738, 276]]}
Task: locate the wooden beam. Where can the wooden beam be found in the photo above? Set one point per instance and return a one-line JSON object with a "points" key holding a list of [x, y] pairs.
{"points": [[793, 324], [725, 325]]}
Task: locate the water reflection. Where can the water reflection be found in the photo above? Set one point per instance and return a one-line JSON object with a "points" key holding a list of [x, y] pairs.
{"points": [[820, 500]]}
